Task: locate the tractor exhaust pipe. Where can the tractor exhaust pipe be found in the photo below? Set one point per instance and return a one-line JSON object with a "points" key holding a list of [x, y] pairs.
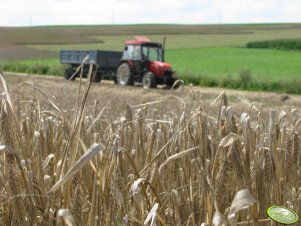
{"points": [[163, 49]]}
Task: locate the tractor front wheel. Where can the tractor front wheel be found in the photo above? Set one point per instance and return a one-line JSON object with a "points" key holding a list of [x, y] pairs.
{"points": [[125, 75], [149, 80]]}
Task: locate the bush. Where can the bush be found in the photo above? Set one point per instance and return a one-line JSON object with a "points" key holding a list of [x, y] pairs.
{"points": [[245, 76], [286, 44], [56, 70], [14, 67], [209, 82], [41, 69], [191, 78], [229, 82]]}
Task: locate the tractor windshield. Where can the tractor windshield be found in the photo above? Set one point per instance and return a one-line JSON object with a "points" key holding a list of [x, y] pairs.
{"points": [[152, 53]]}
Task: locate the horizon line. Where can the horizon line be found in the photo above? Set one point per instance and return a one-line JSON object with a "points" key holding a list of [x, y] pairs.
{"points": [[150, 24]]}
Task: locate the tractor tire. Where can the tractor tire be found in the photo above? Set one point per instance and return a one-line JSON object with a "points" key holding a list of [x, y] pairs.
{"points": [[149, 80], [173, 83], [68, 74], [125, 75]]}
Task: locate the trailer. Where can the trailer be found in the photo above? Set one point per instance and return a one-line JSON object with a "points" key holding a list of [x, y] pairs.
{"points": [[105, 62]]}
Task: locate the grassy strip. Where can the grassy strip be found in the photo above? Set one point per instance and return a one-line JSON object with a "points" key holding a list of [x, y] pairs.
{"points": [[287, 44], [42, 67], [245, 81]]}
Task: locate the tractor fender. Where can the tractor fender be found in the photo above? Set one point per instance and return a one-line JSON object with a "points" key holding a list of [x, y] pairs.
{"points": [[130, 63]]}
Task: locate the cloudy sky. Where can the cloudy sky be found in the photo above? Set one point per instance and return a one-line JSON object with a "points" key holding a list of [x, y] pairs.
{"points": [[58, 12]]}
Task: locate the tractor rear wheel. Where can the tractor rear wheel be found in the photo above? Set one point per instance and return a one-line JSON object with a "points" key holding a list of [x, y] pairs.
{"points": [[149, 80], [125, 75]]}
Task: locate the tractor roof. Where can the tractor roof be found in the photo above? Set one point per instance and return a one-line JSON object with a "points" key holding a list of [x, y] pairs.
{"points": [[140, 40]]}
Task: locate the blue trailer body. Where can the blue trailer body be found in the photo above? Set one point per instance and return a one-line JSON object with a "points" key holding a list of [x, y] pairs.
{"points": [[106, 62], [101, 58]]}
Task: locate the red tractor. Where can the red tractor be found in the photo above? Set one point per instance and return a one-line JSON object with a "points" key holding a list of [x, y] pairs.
{"points": [[143, 62]]}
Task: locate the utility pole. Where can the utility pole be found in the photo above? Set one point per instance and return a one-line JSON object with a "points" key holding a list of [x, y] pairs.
{"points": [[30, 20], [219, 17]]}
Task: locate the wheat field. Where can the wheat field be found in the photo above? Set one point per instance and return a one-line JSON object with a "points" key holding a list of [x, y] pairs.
{"points": [[202, 165]]}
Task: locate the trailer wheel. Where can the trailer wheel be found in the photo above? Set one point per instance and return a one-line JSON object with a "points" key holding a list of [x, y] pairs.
{"points": [[68, 74], [115, 80], [149, 80], [125, 75], [96, 78]]}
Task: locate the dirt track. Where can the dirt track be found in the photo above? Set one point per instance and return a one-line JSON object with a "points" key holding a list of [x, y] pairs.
{"points": [[115, 98]]}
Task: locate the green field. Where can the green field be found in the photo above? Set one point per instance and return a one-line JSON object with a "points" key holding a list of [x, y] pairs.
{"points": [[224, 63], [208, 55]]}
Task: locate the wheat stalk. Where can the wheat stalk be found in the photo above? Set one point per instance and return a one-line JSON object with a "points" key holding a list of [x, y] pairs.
{"points": [[188, 156]]}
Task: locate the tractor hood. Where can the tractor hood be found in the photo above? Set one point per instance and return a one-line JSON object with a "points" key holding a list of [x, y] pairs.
{"points": [[160, 69], [161, 64]]}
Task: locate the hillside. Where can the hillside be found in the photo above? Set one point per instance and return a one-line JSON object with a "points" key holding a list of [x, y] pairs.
{"points": [[19, 42]]}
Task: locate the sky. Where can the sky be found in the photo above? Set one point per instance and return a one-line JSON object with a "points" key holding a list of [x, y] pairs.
{"points": [[90, 12]]}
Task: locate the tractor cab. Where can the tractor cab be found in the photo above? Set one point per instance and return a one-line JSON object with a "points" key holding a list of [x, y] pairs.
{"points": [[143, 62], [143, 51]]}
